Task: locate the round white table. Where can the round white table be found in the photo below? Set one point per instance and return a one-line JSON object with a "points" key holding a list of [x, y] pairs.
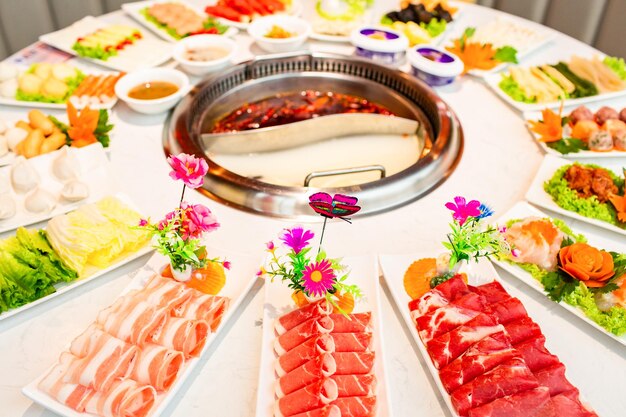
{"points": [[498, 163]]}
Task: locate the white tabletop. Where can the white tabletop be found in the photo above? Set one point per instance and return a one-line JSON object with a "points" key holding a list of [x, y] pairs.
{"points": [[499, 161]]}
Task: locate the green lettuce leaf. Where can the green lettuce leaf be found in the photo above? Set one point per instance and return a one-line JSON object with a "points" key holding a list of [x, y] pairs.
{"points": [[356, 8], [72, 84], [506, 54], [94, 52], [568, 145], [618, 65], [435, 27], [513, 90]]}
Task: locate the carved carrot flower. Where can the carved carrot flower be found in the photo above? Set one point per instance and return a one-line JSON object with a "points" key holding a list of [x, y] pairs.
{"points": [[550, 129], [318, 277]]}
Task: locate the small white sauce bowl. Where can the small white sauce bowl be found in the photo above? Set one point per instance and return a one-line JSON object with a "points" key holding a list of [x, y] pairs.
{"points": [[204, 41], [159, 105], [261, 26]]}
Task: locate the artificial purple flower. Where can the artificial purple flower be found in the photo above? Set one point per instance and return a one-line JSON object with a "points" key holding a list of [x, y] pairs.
{"points": [[297, 238], [188, 169], [226, 265], [461, 210]]}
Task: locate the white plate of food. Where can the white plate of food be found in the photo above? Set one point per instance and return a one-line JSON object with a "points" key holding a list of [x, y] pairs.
{"points": [[329, 30], [581, 80], [49, 86], [547, 173], [477, 331], [278, 302], [173, 20], [239, 281], [587, 132], [48, 185], [522, 211], [119, 47], [58, 256], [525, 36], [223, 11]]}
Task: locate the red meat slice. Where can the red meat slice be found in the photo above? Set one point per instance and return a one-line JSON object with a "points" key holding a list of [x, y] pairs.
{"points": [[443, 320], [315, 395], [299, 316], [354, 363], [508, 378], [352, 323], [535, 353], [494, 292], [308, 350], [554, 378], [327, 411], [480, 358], [522, 329], [357, 406], [508, 310], [449, 346], [303, 332], [439, 296], [352, 342], [355, 385], [566, 406], [531, 403]]}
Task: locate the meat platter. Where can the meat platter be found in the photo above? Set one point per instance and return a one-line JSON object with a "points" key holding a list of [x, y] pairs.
{"points": [[240, 280], [523, 210], [278, 302], [513, 387]]}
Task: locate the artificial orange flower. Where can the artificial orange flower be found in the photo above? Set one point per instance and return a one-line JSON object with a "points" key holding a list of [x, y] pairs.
{"points": [[594, 267], [619, 202], [82, 126], [474, 55], [549, 129]]}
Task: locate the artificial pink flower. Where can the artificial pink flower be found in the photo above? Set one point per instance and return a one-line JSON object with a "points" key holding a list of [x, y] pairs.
{"points": [[188, 169], [318, 277], [143, 223], [197, 219], [297, 238], [168, 218], [226, 264], [461, 210], [270, 246]]}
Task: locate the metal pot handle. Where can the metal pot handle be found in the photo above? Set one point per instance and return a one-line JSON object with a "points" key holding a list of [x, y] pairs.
{"points": [[344, 171]]}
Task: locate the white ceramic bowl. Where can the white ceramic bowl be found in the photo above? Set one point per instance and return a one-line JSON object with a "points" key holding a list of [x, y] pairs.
{"points": [[261, 26], [199, 41], [159, 105]]}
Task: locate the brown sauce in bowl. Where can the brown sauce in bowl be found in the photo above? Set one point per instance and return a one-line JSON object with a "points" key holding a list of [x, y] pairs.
{"points": [[152, 90]]}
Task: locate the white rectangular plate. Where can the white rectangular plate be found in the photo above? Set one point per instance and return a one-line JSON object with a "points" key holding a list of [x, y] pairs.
{"points": [[90, 274], [522, 210], [537, 196], [493, 80], [95, 170], [144, 53], [364, 273], [393, 267], [134, 11], [239, 281], [536, 116]]}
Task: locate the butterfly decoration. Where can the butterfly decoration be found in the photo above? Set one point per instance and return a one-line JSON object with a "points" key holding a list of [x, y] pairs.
{"points": [[339, 206]]}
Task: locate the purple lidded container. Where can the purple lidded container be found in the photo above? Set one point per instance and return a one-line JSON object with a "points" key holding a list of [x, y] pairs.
{"points": [[434, 65], [385, 46]]}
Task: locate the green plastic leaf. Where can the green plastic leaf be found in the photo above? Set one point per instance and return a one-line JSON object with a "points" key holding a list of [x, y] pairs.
{"points": [[567, 145], [506, 54]]}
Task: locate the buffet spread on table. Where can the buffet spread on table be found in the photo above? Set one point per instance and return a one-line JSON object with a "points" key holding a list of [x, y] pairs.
{"points": [[500, 291]]}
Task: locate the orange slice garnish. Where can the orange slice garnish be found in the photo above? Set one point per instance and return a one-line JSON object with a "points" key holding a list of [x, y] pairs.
{"points": [[417, 277], [209, 280], [345, 303]]}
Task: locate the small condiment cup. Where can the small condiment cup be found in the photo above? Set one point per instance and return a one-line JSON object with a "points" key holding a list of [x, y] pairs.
{"points": [[385, 46], [434, 65], [158, 105], [262, 25], [204, 41]]}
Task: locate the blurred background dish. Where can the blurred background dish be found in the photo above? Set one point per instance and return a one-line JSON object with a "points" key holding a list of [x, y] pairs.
{"points": [[203, 54]]}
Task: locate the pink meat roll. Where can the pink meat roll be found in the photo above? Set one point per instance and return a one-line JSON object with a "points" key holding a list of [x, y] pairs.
{"points": [[209, 308], [508, 378], [535, 353], [508, 310], [478, 359], [554, 378], [532, 403], [522, 329], [442, 320], [184, 335], [125, 398], [301, 333], [351, 323], [324, 343], [158, 366], [299, 316], [355, 385], [357, 406], [449, 346], [165, 293], [74, 396], [131, 319], [326, 411], [311, 397]]}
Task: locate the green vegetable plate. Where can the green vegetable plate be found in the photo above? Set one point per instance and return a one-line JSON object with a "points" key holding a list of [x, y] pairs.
{"points": [[589, 211], [580, 300]]}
